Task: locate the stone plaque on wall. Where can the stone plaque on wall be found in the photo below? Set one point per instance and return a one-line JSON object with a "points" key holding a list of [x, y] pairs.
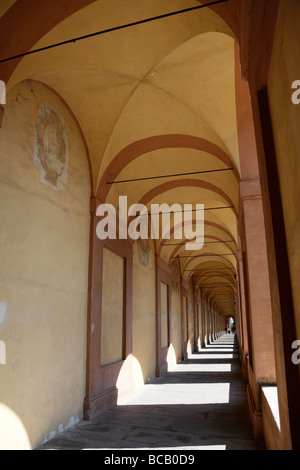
{"points": [[176, 275], [51, 148], [144, 251]]}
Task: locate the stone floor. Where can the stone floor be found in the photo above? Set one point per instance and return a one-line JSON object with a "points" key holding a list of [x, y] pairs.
{"points": [[200, 405]]}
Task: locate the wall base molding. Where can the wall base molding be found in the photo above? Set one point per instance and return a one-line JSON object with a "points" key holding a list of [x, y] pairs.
{"points": [[95, 406]]}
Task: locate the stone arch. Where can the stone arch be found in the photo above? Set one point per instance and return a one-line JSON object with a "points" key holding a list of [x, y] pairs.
{"points": [[142, 147]]}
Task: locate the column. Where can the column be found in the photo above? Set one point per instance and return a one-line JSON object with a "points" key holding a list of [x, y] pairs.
{"points": [[261, 367], [244, 348]]}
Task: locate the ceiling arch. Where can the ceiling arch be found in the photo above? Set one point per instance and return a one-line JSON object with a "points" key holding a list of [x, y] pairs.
{"points": [[181, 246], [207, 237], [211, 255], [207, 223], [150, 144], [20, 14], [194, 183]]}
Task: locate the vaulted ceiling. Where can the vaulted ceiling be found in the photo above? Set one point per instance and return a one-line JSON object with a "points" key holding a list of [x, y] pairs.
{"points": [[151, 100]]}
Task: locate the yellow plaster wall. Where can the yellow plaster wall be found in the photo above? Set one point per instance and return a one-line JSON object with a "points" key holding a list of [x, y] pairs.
{"points": [[144, 313], [176, 324], [164, 315], [284, 71], [44, 240], [184, 319], [144, 323], [112, 308], [191, 315]]}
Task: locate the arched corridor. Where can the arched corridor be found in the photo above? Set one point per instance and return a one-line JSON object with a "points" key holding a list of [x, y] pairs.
{"points": [[148, 199]]}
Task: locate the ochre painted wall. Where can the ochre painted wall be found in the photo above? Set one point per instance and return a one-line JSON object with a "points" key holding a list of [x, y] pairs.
{"points": [[164, 315], [144, 313], [176, 325], [191, 316], [144, 318], [44, 244], [112, 308], [284, 71]]}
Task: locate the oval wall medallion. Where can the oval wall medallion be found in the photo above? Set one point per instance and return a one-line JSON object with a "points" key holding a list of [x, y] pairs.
{"points": [[51, 148], [176, 274], [144, 251]]}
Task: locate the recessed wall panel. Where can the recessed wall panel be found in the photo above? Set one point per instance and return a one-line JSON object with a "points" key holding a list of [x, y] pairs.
{"points": [[112, 308]]}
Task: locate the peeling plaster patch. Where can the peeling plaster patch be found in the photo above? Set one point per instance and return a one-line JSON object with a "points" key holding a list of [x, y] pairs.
{"points": [[74, 420], [3, 311], [176, 275], [144, 251], [51, 148], [2, 353], [52, 435], [61, 429]]}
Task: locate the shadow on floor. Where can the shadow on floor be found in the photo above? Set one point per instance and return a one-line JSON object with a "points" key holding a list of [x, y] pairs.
{"points": [[200, 405]]}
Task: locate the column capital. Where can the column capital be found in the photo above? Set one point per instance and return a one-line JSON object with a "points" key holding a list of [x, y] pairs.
{"points": [[250, 189]]}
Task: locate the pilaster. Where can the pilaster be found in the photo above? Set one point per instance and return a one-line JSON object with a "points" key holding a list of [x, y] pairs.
{"points": [[1, 115], [261, 364]]}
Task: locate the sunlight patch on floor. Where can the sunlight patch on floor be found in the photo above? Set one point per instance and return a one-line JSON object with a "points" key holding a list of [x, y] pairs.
{"points": [[213, 357], [202, 368], [181, 394]]}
